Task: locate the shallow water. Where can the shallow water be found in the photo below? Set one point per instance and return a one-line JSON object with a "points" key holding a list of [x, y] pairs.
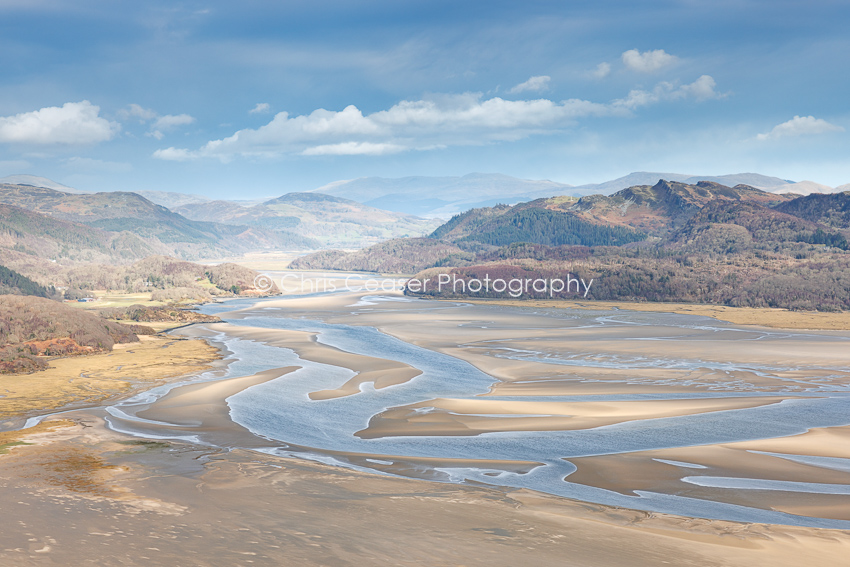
{"points": [[281, 409]]}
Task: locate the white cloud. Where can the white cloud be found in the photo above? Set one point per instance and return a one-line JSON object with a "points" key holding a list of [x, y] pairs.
{"points": [[602, 70], [160, 123], [74, 123], [701, 89], [261, 108], [436, 122], [175, 154], [538, 83], [137, 111], [800, 126], [648, 61], [172, 121], [353, 149], [409, 125], [169, 122]]}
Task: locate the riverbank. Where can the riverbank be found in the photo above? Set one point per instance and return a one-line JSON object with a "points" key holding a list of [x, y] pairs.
{"points": [[764, 317], [79, 381]]}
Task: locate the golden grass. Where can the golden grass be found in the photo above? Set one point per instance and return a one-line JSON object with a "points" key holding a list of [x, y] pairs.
{"points": [[158, 326], [116, 299], [90, 379], [764, 317]]}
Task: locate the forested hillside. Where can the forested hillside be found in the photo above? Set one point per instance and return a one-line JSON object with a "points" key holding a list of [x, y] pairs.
{"points": [[670, 241], [830, 210], [13, 283], [551, 228]]}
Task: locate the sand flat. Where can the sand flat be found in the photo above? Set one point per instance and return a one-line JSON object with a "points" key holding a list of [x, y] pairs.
{"points": [[663, 470], [477, 416], [153, 502], [226, 508], [379, 372]]}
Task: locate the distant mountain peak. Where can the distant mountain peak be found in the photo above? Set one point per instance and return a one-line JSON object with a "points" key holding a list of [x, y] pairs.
{"points": [[36, 181]]}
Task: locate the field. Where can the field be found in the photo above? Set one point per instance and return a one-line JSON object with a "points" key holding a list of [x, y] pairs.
{"points": [[87, 380]]}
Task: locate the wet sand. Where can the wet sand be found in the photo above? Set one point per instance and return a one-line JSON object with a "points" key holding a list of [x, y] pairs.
{"points": [[86, 494], [478, 416], [777, 459]]}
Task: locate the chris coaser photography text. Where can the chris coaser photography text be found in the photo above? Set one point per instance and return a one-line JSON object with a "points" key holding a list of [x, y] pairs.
{"points": [[442, 283]]}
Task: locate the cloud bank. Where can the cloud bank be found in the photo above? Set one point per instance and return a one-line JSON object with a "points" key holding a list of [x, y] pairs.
{"points": [[436, 122]]}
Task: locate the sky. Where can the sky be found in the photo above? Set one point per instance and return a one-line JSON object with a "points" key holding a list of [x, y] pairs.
{"points": [[259, 98]]}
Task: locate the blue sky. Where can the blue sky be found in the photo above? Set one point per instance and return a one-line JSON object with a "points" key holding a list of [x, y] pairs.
{"points": [[258, 98]]}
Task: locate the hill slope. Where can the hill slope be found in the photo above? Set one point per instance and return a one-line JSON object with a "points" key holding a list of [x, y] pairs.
{"points": [[664, 206], [831, 210], [332, 221], [30, 326], [13, 283], [158, 228]]}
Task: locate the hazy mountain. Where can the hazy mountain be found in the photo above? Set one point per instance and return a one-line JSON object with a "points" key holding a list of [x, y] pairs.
{"points": [[171, 200], [804, 188], [333, 221], [35, 181], [442, 196], [137, 219], [651, 178]]}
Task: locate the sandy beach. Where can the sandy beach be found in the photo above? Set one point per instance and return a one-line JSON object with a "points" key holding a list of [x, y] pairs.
{"points": [[193, 486]]}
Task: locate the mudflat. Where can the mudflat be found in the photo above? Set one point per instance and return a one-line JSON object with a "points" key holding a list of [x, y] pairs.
{"points": [[82, 492]]}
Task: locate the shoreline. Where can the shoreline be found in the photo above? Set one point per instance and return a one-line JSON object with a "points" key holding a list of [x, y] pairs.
{"points": [[76, 382], [774, 318]]}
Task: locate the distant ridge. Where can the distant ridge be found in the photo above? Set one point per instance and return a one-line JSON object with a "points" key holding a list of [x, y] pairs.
{"points": [[805, 188], [756, 180], [333, 221], [442, 196], [36, 181]]}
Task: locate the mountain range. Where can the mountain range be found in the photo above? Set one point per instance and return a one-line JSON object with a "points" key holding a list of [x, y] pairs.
{"points": [[329, 220], [40, 226], [443, 197], [706, 217], [671, 241]]}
